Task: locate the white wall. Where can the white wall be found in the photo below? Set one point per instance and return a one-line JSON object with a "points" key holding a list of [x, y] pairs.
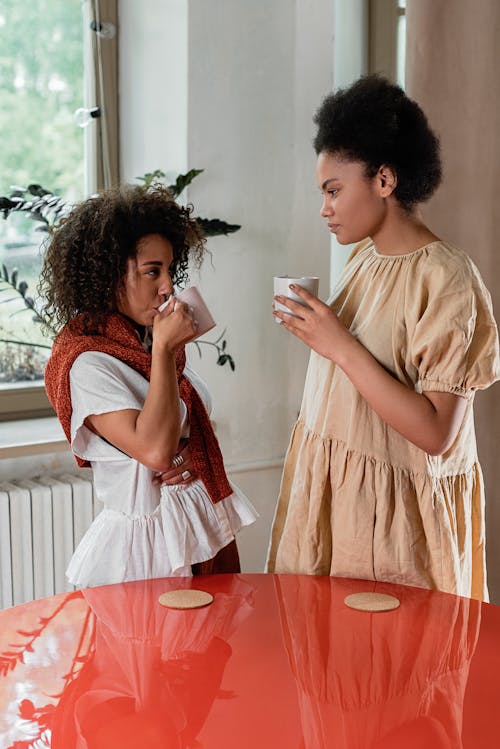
{"points": [[153, 88], [350, 61], [254, 82], [245, 79], [231, 86]]}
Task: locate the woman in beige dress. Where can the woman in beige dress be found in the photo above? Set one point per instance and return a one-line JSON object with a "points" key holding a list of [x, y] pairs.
{"points": [[381, 479]]}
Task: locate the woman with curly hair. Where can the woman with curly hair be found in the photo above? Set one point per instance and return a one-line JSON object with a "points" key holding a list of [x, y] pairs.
{"points": [[381, 479], [129, 404]]}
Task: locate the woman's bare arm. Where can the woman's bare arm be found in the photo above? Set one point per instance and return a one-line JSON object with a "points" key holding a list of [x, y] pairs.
{"points": [[430, 421], [152, 435]]}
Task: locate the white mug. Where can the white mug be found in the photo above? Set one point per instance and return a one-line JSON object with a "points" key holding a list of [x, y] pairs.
{"points": [[281, 288]]}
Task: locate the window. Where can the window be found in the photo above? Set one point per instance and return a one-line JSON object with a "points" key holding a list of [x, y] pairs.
{"points": [[42, 87], [387, 39]]}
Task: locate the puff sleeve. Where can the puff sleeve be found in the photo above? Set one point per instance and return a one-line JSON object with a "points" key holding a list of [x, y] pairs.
{"points": [[453, 337]]}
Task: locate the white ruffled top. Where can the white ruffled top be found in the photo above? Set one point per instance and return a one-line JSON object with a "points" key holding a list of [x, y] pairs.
{"points": [[143, 531]]}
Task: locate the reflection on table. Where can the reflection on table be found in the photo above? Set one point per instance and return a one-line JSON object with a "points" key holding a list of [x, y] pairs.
{"points": [[382, 681], [275, 661]]}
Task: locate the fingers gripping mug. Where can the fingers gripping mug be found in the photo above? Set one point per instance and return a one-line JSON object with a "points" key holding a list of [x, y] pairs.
{"points": [[281, 284], [200, 311]]}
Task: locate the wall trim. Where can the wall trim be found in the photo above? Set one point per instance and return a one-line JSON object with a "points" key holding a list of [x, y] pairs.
{"points": [[256, 465]]}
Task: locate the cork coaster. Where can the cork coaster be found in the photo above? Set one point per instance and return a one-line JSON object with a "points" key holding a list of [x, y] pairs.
{"points": [[185, 599], [371, 602]]}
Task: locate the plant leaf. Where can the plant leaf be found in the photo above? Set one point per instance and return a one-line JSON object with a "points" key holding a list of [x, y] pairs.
{"points": [[36, 216], [38, 190], [213, 227], [183, 180], [151, 177], [6, 204], [54, 201], [25, 633]]}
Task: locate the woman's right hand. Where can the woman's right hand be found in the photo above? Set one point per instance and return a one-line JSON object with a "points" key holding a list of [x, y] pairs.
{"points": [[174, 326], [316, 325]]}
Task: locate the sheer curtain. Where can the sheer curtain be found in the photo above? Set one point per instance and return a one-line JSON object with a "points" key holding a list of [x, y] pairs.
{"points": [[453, 62], [101, 91]]}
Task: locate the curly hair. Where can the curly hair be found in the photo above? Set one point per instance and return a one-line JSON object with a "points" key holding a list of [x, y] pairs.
{"points": [[85, 260], [373, 121]]}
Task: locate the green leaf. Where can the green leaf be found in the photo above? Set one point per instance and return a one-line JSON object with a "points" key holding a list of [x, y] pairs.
{"points": [[151, 177], [183, 180], [6, 204], [37, 190], [213, 227]]}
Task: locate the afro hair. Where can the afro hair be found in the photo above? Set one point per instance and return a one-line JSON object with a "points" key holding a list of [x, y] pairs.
{"points": [[373, 121]]}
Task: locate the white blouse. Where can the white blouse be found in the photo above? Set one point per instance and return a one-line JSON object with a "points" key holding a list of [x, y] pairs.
{"points": [[144, 531]]}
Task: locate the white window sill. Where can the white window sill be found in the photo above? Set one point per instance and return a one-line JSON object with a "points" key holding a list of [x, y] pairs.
{"points": [[31, 437], [45, 435]]}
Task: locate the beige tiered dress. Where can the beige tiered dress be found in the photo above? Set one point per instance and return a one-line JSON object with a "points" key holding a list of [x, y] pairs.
{"points": [[357, 499]]}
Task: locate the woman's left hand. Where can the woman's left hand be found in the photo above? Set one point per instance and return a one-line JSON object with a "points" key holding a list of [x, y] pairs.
{"points": [[317, 325], [182, 471]]}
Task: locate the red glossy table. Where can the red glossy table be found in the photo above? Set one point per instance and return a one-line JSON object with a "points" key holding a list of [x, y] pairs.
{"points": [[276, 661]]}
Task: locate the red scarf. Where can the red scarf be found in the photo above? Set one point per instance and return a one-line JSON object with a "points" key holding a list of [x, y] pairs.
{"points": [[119, 339]]}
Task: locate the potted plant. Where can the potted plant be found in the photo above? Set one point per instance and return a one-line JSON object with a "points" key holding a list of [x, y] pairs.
{"points": [[22, 359]]}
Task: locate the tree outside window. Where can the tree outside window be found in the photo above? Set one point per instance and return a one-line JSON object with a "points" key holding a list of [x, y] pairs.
{"points": [[41, 86]]}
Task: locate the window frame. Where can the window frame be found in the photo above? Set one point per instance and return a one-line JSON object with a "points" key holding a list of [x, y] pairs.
{"points": [[383, 21], [24, 401]]}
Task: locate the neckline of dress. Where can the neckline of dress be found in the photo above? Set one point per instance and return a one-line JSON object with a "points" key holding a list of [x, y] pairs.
{"points": [[404, 254]]}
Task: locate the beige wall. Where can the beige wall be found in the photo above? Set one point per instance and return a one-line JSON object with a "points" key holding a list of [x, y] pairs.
{"points": [[453, 63]]}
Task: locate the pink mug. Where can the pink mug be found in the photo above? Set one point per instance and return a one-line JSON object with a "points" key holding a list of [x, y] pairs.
{"points": [[201, 314]]}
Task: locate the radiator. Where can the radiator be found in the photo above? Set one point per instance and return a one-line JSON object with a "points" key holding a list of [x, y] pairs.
{"points": [[41, 522]]}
